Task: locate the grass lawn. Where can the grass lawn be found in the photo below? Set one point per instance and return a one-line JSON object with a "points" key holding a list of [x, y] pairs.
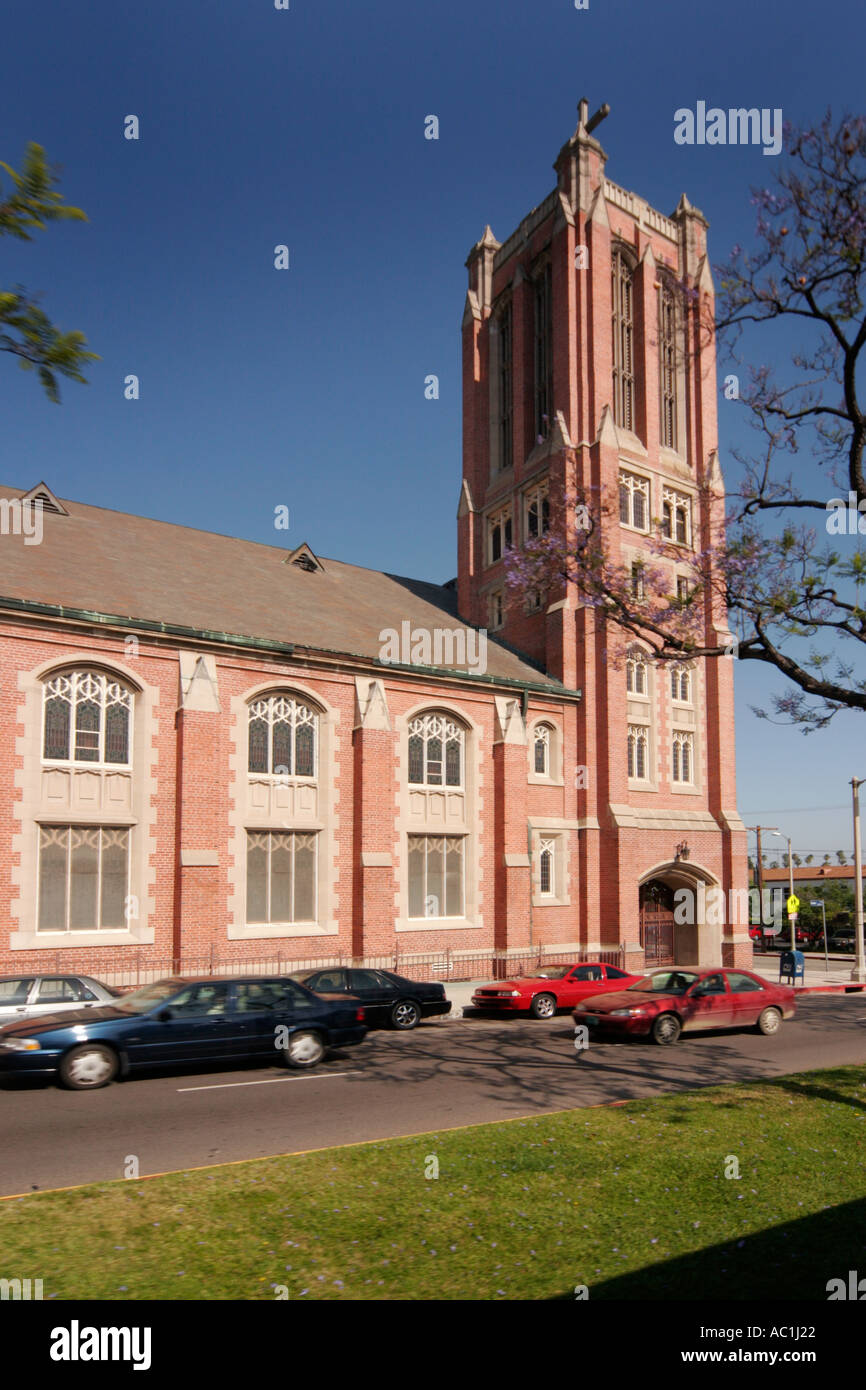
{"points": [[631, 1201]]}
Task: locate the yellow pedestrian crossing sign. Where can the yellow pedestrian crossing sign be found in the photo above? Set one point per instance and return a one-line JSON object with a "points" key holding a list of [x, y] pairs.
{"points": [[793, 905]]}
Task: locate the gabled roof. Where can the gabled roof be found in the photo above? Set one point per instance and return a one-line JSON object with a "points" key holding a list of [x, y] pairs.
{"points": [[132, 568]]}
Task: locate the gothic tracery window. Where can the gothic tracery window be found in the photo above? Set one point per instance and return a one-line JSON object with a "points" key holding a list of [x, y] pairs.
{"points": [[282, 736], [86, 718], [436, 748]]}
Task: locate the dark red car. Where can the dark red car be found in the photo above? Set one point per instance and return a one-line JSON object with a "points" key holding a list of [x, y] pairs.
{"points": [[668, 1002], [552, 987]]}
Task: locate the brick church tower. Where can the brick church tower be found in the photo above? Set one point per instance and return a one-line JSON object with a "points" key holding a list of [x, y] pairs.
{"points": [[581, 371]]}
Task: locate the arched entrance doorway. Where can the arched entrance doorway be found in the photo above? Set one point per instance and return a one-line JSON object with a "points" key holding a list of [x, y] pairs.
{"points": [[679, 912], [657, 922]]}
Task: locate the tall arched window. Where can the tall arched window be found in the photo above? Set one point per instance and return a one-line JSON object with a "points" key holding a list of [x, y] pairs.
{"points": [[622, 325], [86, 718], [437, 779], [436, 744], [668, 367], [283, 736], [543, 354]]}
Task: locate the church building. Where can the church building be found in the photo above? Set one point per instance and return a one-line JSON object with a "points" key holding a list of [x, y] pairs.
{"points": [[217, 751]]}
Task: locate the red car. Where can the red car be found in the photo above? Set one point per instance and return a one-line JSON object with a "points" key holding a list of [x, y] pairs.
{"points": [[674, 1000], [552, 987]]}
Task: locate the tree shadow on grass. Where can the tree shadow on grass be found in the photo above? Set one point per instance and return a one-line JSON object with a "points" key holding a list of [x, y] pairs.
{"points": [[795, 1260]]}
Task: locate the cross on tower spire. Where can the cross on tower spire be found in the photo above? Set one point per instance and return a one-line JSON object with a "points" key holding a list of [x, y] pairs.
{"points": [[588, 123]]}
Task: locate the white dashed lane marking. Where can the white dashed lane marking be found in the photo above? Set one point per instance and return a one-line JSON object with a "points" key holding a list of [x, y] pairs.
{"points": [[270, 1081]]}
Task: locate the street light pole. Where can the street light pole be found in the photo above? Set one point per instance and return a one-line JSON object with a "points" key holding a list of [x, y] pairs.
{"points": [[790, 885], [859, 971], [819, 902]]}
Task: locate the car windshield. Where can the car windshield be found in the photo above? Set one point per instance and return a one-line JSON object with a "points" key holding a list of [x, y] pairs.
{"points": [[665, 982], [554, 972], [141, 1000]]}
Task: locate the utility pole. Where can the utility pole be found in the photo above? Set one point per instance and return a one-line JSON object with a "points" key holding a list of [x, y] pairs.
{"points": [[859, 971], [759, 875]]}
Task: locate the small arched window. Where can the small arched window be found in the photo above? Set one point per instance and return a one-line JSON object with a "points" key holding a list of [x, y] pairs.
{"points": [[86, 718], [682, 756], [636, 680], [541, 750], [547, 850], [436, 751], [637, 752], [283, 736], [681, 684]]}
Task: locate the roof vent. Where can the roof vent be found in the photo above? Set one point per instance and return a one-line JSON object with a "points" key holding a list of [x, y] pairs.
{"points": [[304, 558], [42, 493]]}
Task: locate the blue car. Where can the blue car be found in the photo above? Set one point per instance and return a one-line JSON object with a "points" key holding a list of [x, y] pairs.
{"points": [[182, 1022]]}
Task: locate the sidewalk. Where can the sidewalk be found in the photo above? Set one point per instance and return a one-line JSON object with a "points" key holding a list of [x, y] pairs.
{"points": [[817, 978]]}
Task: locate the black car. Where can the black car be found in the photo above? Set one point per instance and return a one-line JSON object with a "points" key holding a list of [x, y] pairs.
{"points": [[387, 998], [177, 1021]]}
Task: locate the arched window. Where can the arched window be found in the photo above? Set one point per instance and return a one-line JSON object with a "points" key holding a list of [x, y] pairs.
{"points": [[541, 750], [86, 718], [668, 367], [545, 867], [638, 744], [283, 736], [682, 757], [436, 749], [543, 354], [636, 680], [622, 303], [681, 684]]}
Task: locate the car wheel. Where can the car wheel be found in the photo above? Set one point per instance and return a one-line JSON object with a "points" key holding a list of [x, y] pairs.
{"points": [[543, 1006], [405, 1015], [88, 1067], [769, 1022], [305, 1049], [666, 1029]]}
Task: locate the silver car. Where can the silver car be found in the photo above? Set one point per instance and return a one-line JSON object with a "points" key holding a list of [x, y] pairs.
{"points": [[31, 996]]}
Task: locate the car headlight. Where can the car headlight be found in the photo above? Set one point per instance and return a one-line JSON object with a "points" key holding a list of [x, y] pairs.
{"points": [[622, 1013], [20, 1044]]}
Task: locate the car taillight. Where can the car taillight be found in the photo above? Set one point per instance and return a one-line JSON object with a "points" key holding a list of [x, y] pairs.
{"points": [[359, 1015]]}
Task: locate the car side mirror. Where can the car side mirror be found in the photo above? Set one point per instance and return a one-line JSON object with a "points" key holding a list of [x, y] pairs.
{"points": [[165, 1015]]}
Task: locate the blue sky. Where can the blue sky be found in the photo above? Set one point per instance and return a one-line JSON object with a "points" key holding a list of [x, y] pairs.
{"points": [[306, 127]]}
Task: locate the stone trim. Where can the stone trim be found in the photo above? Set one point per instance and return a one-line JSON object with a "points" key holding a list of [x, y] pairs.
{"points": [[199, 858], [627, 817], [31, 808]]}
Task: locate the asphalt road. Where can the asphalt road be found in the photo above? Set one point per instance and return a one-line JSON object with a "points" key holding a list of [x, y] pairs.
{"points": [[442, 1075]]}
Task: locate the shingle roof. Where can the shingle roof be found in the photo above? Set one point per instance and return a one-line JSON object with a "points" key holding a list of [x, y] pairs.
{"points": [[134, 568]]}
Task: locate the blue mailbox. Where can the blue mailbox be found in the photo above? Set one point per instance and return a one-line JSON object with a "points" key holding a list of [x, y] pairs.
{"points": [[792, 964]]}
